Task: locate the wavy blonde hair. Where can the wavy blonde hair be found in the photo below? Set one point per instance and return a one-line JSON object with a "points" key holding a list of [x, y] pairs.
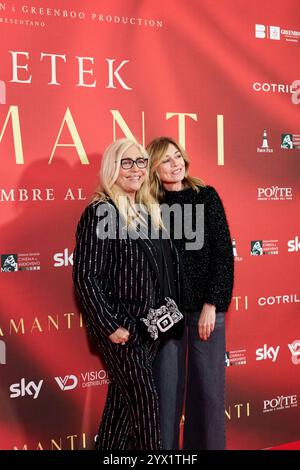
{"points": [[157, 150], [107, 188]]}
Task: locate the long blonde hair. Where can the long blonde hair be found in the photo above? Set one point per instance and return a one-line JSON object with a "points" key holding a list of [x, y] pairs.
{"points": [[156, 150], [107, 188]]}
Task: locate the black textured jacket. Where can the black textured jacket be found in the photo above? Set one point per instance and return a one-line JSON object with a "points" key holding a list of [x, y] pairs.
{"points": [[207, 272]]}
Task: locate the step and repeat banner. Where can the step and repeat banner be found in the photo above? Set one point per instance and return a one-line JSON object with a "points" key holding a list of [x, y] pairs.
{"points": [[222, 78]]}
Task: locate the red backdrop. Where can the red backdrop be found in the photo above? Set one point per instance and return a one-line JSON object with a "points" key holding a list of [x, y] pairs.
{"points": [[216, 76]]}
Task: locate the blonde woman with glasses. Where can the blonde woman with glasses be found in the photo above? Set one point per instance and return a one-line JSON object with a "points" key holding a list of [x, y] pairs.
{"points": [[118, 277]]}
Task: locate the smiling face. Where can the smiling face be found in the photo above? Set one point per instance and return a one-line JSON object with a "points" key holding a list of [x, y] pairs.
{"points": [[132, 179], [171, 170]]}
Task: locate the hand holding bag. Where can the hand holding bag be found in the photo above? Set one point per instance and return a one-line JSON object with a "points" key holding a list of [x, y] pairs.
{"points": [[161, 319]]}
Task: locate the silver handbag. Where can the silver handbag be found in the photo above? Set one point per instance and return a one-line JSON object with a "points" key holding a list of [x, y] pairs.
{"points": [[161, 319]]}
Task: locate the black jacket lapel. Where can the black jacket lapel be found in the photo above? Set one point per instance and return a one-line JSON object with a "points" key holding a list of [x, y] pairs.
{"points": [[145, 243]]}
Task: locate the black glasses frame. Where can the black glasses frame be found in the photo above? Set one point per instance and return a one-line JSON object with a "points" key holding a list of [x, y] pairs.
{"points": [[139, 165]]}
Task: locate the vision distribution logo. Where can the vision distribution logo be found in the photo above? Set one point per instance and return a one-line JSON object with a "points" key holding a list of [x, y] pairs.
{"points": [[32, 388]]}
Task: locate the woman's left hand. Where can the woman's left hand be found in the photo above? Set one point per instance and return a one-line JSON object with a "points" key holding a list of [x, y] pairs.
{"points": [[120, 336], [206, 322]]}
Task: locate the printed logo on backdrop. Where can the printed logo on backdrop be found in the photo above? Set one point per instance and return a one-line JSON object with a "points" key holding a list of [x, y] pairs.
{"points": [[237, 410], [72, 441], [290, 141], [9, 263], [270, 32], [69, 382], [294, 245], [84, 380], [2, 352], [278, 300], [37, 16], [56, 322], [264, 247], [274, 193], [276, 33], [275, 87], [235, 253], [256, 248], [235, 358], [286, 141], [20, 262], [94, 378], [2, 92], [42, 194], [63, 259], [295, 92], [69, 441], [22, 389], [240, 302], [264, 148], [267, 353], [280, 403], [294, 347]]}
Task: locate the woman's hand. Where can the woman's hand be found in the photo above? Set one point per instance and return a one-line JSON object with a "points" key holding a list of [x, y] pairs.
{"points": [[121, 335], [206, 322]]}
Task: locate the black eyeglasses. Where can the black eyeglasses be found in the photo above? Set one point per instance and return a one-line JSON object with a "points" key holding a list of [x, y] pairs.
{"points": [[127, 163]]}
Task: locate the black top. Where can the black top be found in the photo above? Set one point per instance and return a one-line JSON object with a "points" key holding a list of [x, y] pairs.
{"points": [[166, 267], [207, 272], [165, 261]]}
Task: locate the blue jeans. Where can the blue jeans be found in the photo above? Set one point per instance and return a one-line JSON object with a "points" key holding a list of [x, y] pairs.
{"points": [[192, 371]]}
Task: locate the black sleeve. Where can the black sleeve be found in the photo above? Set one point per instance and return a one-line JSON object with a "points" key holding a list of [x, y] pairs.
{"points": [[89, 270], [221, 266]]}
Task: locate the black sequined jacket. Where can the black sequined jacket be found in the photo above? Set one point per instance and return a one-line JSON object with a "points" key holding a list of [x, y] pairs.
{"points": [[207, 272]]}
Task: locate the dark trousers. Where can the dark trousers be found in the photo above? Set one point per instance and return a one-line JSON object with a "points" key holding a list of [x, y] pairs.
{"points": [[131, 410], [194, 370]]}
